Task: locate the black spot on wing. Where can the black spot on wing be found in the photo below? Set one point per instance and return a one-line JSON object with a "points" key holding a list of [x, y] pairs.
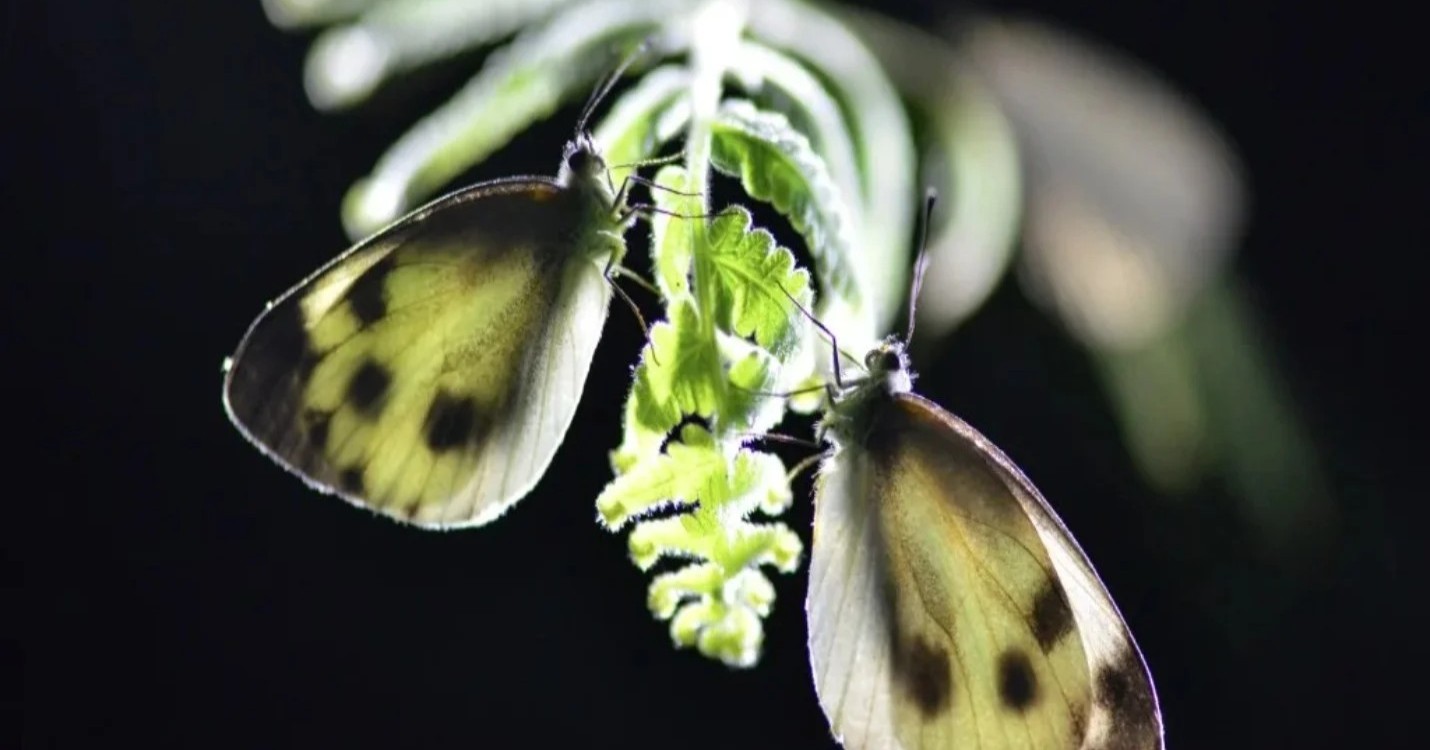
{"points": [[1052, 617], [1078, 714], [1017, 685], [351, 480], [367, 388], [274, 363], [452, 422], [366, 296], [281, 342], [1113, 688], [315, 427], [925, 673], [1122, 690]]}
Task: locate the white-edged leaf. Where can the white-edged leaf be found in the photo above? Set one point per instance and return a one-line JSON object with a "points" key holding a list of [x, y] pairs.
{"points": [[882, 136], [519, 84], [347, 63]]}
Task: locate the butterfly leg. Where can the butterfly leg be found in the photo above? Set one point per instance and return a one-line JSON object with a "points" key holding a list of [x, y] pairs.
{"points": [[781, 394], [802, 466], [645, 209], [606, 273], [779, 437], [636, 179], [655, 162], [653, 185], [834, 342], [640, 281]]}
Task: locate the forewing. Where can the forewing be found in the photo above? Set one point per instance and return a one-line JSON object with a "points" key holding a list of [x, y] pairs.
{"points": [[431, 372], [949, 609]]}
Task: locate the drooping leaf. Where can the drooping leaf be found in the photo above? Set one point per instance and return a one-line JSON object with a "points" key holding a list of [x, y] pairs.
{"points": [[775, 163], [520, 83], [883, 141], [347, 63]]}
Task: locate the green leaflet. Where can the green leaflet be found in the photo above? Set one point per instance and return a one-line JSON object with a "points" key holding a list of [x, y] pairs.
{"points": [[703, 367], [715, 603], [758, 278], [729, 327], [775, 163], [697, 470], [671, 251], [883, 142]]}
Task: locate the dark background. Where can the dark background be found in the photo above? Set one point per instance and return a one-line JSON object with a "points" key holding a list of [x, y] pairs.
{"points": [[165, 175]]}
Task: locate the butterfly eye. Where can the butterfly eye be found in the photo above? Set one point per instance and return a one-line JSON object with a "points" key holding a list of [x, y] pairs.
{"points": [[882, 360], [584, 160]]}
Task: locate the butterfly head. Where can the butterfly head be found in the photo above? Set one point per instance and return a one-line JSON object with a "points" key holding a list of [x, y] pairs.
{"points": [[582, 160], [584, 172], [857, 402], [888, 366]]}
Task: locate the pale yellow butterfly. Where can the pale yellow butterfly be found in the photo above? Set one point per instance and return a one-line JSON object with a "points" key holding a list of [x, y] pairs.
{"points": [[430, 372], [948, 605]]}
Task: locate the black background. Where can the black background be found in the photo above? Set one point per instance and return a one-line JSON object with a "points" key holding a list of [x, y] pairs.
{"points": [[165, 175]]}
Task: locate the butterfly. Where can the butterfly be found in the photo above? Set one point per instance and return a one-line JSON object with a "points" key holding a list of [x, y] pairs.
{"points": [[430, 372], [948, 605]]}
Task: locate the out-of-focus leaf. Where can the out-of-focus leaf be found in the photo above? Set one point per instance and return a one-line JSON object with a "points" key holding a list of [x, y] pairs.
{"points": [[969, 157], [347, 63], [297, 14], [519, 84], [1134, 199]]}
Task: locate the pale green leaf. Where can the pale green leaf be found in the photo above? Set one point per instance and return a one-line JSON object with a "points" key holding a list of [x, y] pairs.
{"points": [[726, 487], [691, 468], [652, 409], [297, 14], [776, 164], [347, 63], [520, 83], [671, 238], [883, 140], [777, 82], [753, 270]]}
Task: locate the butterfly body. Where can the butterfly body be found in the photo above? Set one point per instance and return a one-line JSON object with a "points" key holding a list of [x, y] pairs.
{"points": [[430, 372], [948, 605]]}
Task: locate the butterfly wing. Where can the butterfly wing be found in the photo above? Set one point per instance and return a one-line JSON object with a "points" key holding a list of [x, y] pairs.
{"points": [[950, 608], [431, 372]]}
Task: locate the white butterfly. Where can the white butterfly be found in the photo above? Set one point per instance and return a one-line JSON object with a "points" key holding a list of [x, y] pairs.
{"points": [[948, 605]]}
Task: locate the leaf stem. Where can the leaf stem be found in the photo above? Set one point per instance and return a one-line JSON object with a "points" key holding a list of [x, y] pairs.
{"points": [[715, 30]]}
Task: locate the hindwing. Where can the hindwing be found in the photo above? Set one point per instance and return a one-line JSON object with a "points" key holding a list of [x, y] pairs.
{"points": [[950, 608]]}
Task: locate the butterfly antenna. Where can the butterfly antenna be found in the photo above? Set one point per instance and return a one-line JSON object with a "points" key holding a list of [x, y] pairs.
{"points": [[609, 82], [922, 262]]}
